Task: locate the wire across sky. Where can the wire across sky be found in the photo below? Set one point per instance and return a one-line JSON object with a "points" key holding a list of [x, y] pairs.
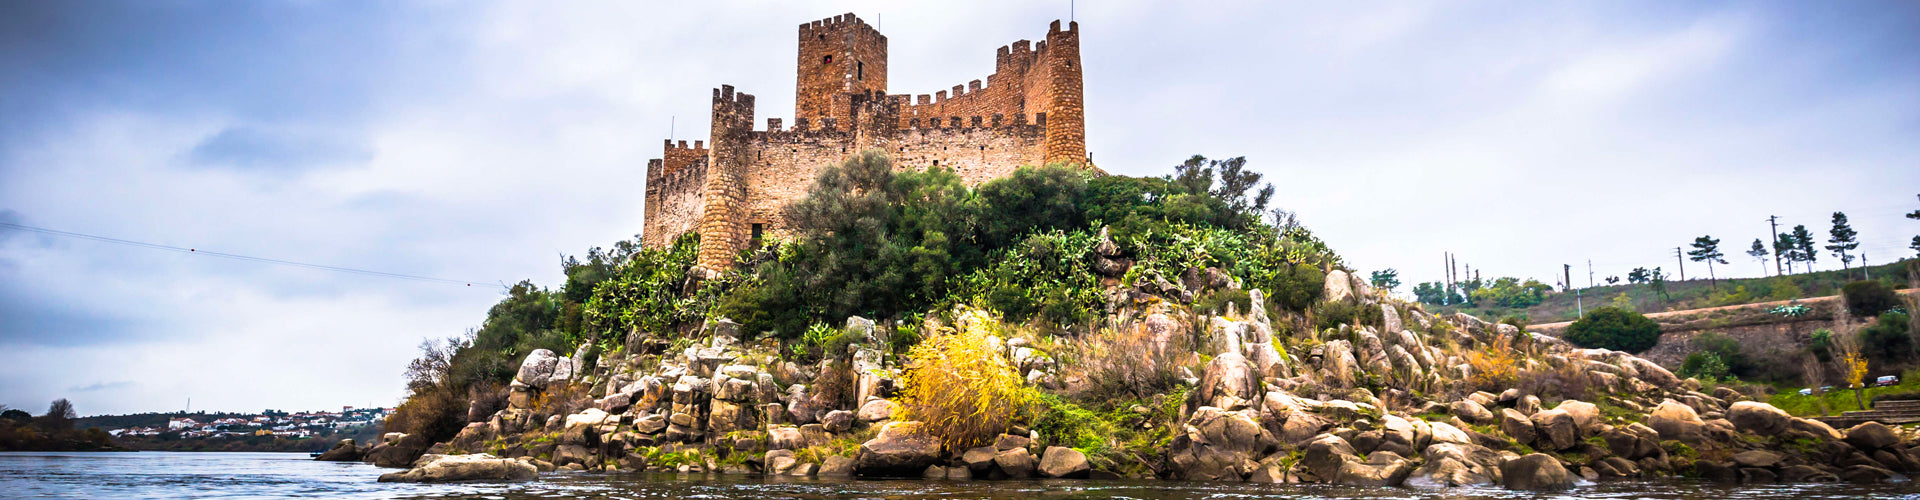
{"points": [[224, 255]]}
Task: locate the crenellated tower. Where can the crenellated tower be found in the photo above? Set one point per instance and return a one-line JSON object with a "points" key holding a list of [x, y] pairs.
{"points": [[838, 58]]}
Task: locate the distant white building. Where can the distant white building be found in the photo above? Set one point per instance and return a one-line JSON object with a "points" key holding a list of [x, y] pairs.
{"points": [[181, 423]]}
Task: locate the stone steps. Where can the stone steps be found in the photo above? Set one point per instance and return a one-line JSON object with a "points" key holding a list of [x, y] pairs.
{"points": [[1885, 412]]}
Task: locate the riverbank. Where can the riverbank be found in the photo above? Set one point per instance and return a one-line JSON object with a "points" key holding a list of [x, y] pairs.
{"points": [[280, 475], [1428, 400]]}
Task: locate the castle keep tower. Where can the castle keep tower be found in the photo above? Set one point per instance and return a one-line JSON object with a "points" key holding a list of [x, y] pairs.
{"points": [[839, 57], [734, 187]]}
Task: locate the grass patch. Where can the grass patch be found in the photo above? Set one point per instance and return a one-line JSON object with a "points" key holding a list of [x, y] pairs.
{"points": [[1838, 399]]}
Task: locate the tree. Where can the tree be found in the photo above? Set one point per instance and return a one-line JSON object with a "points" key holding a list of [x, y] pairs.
{"points": [[1915, 215], [1803, 246], [1706, 249], [1613, 280], [1759, 253], [1639, 275], [1386, 279], [1853, 365], [59, 415], [1842, 239], [1614, 328], [1658, 282], [1431, 292], [1786, 249]]}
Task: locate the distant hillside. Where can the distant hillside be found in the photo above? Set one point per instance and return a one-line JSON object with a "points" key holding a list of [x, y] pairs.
{"points": [[1692, 294]]}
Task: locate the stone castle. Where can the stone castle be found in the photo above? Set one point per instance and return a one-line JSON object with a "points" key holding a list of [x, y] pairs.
{"points": [[733, 187]]}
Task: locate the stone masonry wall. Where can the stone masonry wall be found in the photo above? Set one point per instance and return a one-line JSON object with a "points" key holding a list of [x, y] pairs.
{"points": [[674, 201], [1028, 112], [838, 56]]}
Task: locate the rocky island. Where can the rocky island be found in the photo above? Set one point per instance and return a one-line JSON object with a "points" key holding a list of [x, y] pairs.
{"points": [[1177, 367]]}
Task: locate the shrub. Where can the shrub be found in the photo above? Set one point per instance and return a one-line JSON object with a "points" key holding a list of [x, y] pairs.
{"points": [[1704, 366], [1047, 276], [1887, 338], [960, 386], [1333, 314], [1130, 363], [1613, 328], [1727, 352], [1495, 368], [1869, 298]]}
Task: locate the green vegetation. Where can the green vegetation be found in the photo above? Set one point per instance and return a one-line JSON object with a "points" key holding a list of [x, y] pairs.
{"points": [[1707, 249], [1692, 294], [53, 431], [1869, 298], [1840, 401], [1612, 328], [897, 245], [1886, 340], [1717, 357]]}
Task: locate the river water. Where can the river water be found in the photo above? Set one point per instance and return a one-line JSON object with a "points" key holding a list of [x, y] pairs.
{"points": [[283, 475]]}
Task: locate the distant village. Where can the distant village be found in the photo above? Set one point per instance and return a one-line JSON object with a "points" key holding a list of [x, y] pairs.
{"points": [[268, 423]]}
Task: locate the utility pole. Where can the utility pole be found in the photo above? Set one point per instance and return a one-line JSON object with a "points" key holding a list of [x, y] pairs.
{"points": [[1567, 269], [1773, 235], [1863, 266], [1589, 273], [1682, 261]]}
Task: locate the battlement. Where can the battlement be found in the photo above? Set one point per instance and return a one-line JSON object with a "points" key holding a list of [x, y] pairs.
{"points": [[837, 24]]}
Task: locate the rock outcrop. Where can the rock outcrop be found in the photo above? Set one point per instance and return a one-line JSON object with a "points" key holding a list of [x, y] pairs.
{"points": [[477, 467]]}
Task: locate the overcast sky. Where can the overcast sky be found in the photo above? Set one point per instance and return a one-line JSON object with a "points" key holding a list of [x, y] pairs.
{"points": [[481, 141]]}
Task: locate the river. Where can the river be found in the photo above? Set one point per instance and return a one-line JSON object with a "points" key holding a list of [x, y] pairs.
{"points": [[283, 475]]}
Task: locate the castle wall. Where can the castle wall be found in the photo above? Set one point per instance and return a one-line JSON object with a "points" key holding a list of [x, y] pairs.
{"points": [[1028, 112], [674, 203]]}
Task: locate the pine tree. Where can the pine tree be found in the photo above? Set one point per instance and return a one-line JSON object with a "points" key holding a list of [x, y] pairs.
{"points": [[1706, 249], [1842, 239], [1785, 247], [1759, 253], [1803, 246]]}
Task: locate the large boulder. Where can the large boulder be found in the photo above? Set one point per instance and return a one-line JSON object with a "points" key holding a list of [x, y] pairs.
{"points": [[343, 451], [876, 410], [480, 466], [900, 449], [1326, 455], [1517, 426], [1871, 436], [1218, 444], [1450, 464], [538, 369], [1555, 430], [1016, 463], [1633, 442], [1229, 375], [397, 453], [1384, 470], [1535, 472], [1472, 412], [1339, 286], [1817, 428], [1758, 418], [835, 466], [1060, 461], [781, 437], [1586, 416], [1674, 420]]}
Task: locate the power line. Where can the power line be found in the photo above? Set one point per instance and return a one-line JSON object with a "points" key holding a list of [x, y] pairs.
{"points": [[196, 251]]}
